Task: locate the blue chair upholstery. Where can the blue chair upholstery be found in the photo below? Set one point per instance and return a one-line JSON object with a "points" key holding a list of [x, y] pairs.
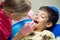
{"points": [[17, 27], [56, 30]]}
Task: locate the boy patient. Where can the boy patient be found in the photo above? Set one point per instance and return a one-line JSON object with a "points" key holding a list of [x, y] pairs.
{"points": [[44, 19]]}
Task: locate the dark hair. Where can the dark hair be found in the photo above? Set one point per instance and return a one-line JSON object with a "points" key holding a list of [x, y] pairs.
{"points": [[18, 5], [53, 15], [1, 4]]}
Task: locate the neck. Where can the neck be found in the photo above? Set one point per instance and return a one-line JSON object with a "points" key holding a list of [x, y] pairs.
{"points": [[36, 29]]}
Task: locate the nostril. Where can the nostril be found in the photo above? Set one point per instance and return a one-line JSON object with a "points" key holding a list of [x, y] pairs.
{"points": [[36, 17]]}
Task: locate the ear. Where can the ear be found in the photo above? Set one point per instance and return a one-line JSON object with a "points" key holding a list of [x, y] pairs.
{"points": [[12, 14], [49, 24]]}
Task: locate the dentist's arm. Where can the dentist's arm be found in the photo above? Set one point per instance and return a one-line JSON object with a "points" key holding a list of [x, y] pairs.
{"points": [[27, 29]]}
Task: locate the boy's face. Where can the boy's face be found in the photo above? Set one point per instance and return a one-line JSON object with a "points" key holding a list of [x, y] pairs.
{"points": [[41, 19]]}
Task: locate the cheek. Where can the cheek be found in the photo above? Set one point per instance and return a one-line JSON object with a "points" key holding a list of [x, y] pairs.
{"points": [[42, 23], [42, 20]]}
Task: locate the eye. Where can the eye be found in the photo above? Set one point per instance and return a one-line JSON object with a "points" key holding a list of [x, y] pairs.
{"points": [[23, 1], [42, 16], [36, 14]]}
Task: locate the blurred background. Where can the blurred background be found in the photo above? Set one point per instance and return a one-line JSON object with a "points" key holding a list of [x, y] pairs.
{"points": [[37, 3]]}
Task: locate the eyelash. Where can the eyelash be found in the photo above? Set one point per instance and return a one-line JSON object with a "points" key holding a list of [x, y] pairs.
{"points": [[36, 14], [42, 16]]}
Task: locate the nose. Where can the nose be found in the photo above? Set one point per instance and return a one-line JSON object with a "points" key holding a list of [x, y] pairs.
{"points": [[36, 17]]}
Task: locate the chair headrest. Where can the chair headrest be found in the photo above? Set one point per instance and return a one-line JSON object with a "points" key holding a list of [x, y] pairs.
{"points": [[55, 9]]}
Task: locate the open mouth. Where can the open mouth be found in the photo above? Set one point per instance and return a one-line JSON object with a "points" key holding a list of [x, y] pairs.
{"points": [[36, 21]]}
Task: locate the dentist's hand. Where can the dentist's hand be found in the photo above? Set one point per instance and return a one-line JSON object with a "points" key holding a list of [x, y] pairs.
{"points": [[28, 28]]}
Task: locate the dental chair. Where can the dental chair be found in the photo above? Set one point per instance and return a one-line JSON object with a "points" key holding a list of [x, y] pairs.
{"points": [[56, 28]]}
